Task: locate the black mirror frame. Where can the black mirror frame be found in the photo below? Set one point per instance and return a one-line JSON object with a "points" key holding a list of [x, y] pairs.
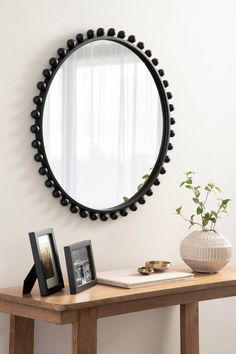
{"points": [[37, 127]]}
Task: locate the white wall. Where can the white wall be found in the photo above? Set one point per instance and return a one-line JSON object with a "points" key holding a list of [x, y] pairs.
{"points": [[195, 42]]}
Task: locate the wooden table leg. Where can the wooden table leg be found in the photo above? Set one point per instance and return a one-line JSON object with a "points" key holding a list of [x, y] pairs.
{"points": [[189, 327], [21, 335], [84, 332]]}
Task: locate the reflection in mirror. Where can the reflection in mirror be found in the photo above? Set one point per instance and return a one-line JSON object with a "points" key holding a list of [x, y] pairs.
{"points": [[103, 124]]}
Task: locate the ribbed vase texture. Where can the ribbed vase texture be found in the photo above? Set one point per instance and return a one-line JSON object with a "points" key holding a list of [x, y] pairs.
{"points": [[205, 251]]}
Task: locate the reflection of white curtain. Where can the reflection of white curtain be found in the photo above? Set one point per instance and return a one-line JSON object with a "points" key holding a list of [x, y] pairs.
{"points": [[102, 124]]}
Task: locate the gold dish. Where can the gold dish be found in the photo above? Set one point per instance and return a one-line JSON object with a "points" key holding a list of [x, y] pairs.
{"points": [[158, 266], [145, 270]]}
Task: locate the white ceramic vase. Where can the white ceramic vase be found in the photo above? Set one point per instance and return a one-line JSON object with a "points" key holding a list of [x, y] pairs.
{"points": [[205, 251]]}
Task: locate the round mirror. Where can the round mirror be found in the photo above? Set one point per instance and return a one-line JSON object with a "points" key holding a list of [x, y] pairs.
{"points": [[104, 125]]}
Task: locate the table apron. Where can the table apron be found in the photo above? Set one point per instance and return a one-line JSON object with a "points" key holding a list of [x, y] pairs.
{"points": [[165, 301], [31, 312]]}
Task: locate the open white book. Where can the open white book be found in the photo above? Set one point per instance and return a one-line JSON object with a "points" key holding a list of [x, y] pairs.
{"points": [[129, 278]]}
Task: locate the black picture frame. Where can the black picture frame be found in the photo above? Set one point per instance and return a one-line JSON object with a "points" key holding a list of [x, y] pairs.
{"points": [[80, 266], [145, 55], [46, 260]]}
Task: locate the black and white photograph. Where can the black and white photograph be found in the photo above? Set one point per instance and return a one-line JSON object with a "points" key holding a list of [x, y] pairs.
{"points": [[80, 259], [46, 261], [80, 266]]}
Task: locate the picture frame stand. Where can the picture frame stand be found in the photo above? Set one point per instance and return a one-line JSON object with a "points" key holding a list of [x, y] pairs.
{"points": [[29, 281]]}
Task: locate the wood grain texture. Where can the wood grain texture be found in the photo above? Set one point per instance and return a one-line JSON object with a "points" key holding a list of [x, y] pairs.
{"points": [[163, 301], [83, 309], [189, 327], [31, 312], [103, 294], [21, 335], [109, 301], [84, 333]]}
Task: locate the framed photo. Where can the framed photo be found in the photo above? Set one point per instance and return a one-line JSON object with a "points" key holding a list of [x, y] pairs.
{"points": [[80, 266], [46, 261]]}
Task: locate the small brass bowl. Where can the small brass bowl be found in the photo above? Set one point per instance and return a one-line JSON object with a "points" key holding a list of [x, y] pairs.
{"points": [[145, 270], [158, 266]]}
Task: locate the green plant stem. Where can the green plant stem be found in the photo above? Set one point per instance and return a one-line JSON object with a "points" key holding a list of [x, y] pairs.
{"points": [[194, 223], [217, 215], [204, 206], [207, 195]]}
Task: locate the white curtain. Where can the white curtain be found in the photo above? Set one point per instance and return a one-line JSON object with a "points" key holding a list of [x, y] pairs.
{"points": [[102, 124]]}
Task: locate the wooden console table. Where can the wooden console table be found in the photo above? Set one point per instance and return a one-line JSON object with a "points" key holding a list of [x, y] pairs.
{"points": [[83, 310]]}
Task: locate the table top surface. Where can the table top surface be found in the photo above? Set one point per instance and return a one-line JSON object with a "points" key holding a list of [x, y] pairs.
{"points": [[105, 294]]}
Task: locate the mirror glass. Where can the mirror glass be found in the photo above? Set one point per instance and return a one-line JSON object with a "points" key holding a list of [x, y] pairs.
{"points": [[102, 124]]}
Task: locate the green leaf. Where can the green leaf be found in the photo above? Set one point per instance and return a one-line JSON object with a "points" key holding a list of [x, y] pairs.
{"points": [[192, 220], [225, 201], [140, 186], [199, 210], [146, 176], [188, 186], [125, 199], [213, 220], [205, 222], [197, 193], [190, 173], [189, 181], [178, 210], [218, 189], [206, 219], [208, 189], [182, 183], [196, 200]]}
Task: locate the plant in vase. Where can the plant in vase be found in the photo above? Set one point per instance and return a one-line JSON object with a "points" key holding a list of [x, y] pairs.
{"points": [[205, 250]]}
